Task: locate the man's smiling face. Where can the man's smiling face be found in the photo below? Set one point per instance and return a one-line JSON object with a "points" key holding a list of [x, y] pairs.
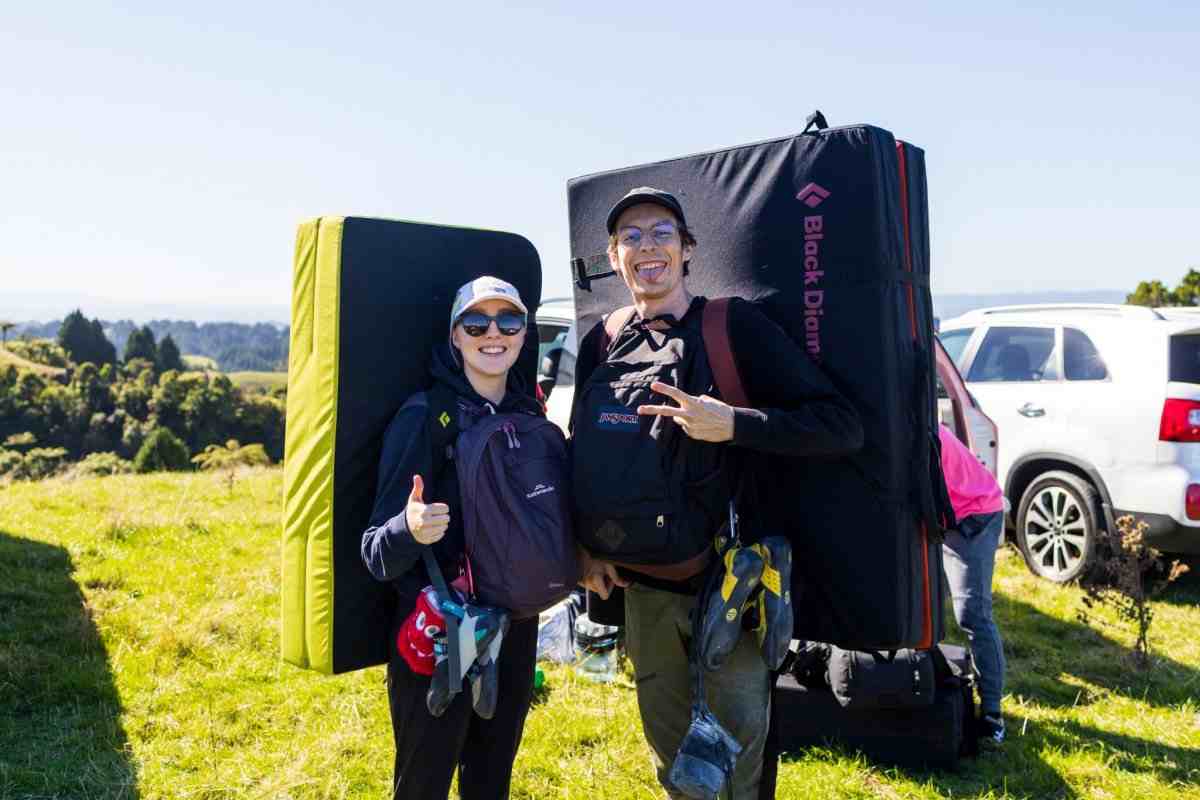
{"points": [[649, 253]]}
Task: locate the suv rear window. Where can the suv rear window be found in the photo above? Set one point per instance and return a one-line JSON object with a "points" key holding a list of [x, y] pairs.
{"points": [[1081, 360], [1185, 358]]}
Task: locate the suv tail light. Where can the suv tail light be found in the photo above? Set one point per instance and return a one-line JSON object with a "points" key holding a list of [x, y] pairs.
{"points": [[1193, 501], [1180, 421]]}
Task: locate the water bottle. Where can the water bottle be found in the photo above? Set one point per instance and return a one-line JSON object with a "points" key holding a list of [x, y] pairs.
{"points": [[596, 649]]}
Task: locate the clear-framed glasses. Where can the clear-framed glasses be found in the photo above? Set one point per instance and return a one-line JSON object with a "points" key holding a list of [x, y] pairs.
{"points": [[663, 234]]}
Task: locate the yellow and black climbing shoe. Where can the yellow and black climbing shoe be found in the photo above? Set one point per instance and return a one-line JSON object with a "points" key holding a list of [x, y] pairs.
{"points": [[774, 600], [728, 589]]}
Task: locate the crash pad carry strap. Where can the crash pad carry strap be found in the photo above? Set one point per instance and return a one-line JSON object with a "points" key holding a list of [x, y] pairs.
{"points": [[613, 323], [443, 425], [714, 328]]}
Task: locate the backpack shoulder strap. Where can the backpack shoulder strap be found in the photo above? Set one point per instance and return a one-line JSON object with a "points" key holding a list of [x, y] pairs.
{"points": [[613, 323], [715, 331]]}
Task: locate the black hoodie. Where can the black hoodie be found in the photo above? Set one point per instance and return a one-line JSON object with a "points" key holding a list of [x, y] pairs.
{"points": [[388, 548]]}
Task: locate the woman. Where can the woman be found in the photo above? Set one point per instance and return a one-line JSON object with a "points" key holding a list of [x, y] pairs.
{"points": [[969, 555], [418, 504]]}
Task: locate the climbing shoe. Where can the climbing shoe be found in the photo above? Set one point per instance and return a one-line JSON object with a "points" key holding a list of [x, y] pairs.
{"points": [[726, 593], [773, 603], [442, 687], [480, 631], [484, 674]]}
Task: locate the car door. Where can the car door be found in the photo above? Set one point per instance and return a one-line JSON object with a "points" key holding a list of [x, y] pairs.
{"points": [[1090, 404], [1015, 373], [958, 410]]}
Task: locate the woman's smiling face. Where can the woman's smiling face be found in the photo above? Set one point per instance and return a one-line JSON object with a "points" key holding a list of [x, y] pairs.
{"points": [[493, 353]]}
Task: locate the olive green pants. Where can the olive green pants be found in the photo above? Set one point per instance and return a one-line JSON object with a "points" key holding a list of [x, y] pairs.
{"points": [[658, 632]]}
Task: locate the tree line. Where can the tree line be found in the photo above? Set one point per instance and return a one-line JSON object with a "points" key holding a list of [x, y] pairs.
{"points": [[234, 346], [140, 411], [1156, 293]]}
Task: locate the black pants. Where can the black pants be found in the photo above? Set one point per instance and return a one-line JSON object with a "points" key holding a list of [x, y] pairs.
{"points": [[429, 748]]}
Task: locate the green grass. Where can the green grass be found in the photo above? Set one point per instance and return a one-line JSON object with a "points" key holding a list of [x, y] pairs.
{"points": [[7, 358], [139, 658], [259, 381], [194, 362]]}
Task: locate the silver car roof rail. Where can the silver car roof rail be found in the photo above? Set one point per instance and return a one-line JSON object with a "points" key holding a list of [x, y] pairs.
{"points": [[1106, 309]]}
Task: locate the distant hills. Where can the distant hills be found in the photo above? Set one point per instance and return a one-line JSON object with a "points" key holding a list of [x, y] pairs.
{"points": [[260, 342], [47, 306], [44, 306], [235, 346]]}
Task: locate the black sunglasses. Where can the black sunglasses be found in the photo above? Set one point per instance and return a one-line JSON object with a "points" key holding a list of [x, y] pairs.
{"points": [[476, 323]]}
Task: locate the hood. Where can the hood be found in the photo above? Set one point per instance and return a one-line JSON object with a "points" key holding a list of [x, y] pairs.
{"points": [[445, 368]]}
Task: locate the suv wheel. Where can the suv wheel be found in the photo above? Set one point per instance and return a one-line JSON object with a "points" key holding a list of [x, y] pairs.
{"points": [[1057, 526]]}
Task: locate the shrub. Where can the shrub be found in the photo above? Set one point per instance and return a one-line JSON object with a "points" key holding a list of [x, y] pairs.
{"points": [[1118, 583], [231, 456], [21, 441], [40, 351], [102, 464], [10, 463], [42, 462], [161, 451]]}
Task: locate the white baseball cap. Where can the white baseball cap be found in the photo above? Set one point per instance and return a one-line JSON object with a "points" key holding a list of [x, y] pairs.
{"points": [[484, 288]]}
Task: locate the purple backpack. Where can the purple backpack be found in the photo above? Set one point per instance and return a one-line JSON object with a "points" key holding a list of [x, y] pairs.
{"points": [[513, 477]]}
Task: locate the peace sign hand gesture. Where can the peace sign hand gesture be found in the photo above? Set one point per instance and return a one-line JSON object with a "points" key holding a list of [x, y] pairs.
{"points": [[704, 418]]}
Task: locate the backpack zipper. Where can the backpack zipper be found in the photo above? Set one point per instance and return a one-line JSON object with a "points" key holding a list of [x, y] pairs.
{"points": [[510, 431]]}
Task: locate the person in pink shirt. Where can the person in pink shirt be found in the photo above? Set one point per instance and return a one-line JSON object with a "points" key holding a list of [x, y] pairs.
{"points": [[969, 556]]}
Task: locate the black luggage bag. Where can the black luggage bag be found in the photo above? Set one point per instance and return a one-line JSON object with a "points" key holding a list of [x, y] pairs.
{"points": [[827, 231], [935, 735]]}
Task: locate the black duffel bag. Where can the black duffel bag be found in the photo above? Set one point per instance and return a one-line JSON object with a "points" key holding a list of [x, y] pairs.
{"points": [[869, 679]]}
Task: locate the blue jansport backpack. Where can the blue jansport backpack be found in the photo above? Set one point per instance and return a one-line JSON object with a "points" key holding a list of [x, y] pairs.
{"points": [[513, 474]]}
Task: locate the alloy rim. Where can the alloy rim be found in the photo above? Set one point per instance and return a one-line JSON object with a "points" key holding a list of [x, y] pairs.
{"points": [[1056, 533]]}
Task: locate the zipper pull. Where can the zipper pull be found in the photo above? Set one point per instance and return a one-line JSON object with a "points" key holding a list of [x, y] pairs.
{"points": [[510, 435], [661, 521]]}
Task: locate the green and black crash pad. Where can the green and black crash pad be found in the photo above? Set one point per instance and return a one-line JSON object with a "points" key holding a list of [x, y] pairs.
{"points": [[370, 298]]}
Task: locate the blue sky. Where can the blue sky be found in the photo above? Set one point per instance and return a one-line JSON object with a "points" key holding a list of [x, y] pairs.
{"points": [[166, 157]]}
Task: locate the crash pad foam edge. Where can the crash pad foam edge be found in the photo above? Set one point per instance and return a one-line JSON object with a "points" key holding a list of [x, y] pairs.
{"points": [[307, 582]]}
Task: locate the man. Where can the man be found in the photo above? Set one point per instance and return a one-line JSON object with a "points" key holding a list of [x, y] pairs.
{"points": [[797, 413]]}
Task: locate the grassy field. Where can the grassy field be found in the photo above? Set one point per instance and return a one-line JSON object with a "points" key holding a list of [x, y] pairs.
{"points": [[139, 658], [9, 358], [195, 362], [259, 381]]}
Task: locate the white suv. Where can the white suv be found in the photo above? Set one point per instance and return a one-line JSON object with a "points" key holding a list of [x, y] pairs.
{"points": [[557, 343], [1099, 407]]}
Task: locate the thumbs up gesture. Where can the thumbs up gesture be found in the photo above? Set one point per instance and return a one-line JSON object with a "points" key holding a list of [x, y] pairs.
{"points": [[427, 523]]}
